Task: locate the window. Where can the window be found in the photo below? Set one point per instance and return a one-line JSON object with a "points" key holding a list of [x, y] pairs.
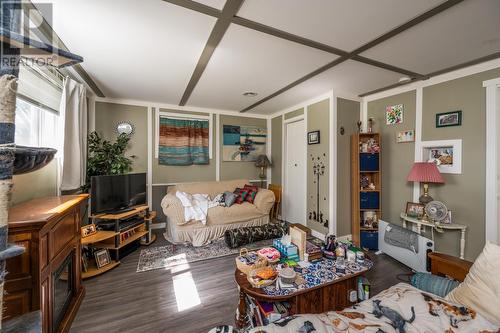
{"points": [[35, 126]]}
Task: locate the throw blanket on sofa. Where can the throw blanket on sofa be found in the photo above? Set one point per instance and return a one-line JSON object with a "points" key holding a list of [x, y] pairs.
{"points": [[195, 206], [399, 309]]}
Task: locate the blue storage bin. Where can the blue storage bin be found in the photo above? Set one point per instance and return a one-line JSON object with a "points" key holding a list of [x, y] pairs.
{"points": [[369, 200], [368, 162], [369, 240]]}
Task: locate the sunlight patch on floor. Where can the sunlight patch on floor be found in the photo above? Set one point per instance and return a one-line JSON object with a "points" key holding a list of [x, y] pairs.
{"points": [[185, 290]]}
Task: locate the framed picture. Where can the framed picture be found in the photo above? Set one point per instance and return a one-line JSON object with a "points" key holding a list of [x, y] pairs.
{"points": [[415, 209], [447, 119], [313, 138], [102, 258], [405, 136], [88, 230], [447, 154], [394, 114], [243, 143]]}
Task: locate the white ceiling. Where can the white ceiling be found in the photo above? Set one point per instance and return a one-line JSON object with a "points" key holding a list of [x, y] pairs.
{"points": [[344, 79], [464, 32], [247, 60], [147, 50], [340, 23]]}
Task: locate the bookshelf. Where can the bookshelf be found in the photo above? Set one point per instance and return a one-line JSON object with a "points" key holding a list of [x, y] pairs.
{"points": [[366, 188]]}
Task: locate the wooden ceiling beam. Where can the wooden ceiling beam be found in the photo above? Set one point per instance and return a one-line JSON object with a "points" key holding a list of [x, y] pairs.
{"points": [[223, 21], [197, 7]]}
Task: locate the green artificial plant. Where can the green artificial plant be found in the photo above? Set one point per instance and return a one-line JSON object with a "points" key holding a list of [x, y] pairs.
{"points": [[106, 157]]}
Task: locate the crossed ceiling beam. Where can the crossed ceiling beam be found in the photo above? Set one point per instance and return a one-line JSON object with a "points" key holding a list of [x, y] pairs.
{"points": [[227, 15]]}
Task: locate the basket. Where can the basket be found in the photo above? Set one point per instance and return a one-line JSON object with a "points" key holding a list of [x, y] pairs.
{"points": [[246, 268], [260, 284]]}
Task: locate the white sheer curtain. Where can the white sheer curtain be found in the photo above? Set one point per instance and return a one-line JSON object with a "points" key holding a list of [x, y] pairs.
{"points": [[73, 111]]}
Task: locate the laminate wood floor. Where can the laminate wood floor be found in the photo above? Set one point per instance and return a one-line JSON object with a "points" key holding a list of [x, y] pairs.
{"points": [[122, 300]]}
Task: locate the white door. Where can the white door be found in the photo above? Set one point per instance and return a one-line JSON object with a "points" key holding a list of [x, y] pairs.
{"points": [[294, 207], [498, 161]]}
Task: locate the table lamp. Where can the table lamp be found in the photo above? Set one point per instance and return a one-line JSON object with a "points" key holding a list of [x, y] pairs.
{"points": [[425, 172], [262, 162]]}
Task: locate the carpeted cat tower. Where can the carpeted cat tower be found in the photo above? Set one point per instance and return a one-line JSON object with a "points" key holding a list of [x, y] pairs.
{"points": [[18, 160]]}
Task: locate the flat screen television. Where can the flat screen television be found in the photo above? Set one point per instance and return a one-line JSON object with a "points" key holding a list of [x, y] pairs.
{"points": [[115, 193]]}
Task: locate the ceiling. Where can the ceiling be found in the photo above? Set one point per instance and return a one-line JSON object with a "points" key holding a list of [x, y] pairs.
{"points": [[285, 51]]}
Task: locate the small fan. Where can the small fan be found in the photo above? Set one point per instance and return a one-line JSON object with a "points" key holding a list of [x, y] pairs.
{"points": [[436, 211]]}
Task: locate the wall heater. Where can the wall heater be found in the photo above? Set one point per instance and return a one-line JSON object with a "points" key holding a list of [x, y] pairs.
{"points": [[416, 260]]}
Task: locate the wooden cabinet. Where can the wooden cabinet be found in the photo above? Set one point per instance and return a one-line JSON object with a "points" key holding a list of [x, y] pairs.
{"points": [[47, 276]]}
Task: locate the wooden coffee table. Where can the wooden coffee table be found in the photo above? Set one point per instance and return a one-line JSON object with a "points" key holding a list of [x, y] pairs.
{"points": [[329, 296]]}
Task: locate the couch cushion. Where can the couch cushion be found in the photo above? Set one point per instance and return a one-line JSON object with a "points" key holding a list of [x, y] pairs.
{"points": [[252, 192], [480, 290], [241, 195], [211, 188]]}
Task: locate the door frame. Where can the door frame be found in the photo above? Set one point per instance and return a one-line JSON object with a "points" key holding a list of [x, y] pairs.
{"points": [[302, 117], [492, 227]]}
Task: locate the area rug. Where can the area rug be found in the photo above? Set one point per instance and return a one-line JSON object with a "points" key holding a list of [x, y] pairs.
{"points": [[168, 256]]}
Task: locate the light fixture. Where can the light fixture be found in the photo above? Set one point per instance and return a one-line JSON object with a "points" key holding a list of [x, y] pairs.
{"points": [[404, 79], [249, 94]]}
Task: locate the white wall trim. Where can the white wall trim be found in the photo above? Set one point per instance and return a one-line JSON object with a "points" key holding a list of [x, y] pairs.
{"points": [[150, 157], [174, 107], [269, 149], [363, 115], [482, 67], [332, 184], [294, 119], [418, 136], [317, 234], [282, 160], [492, 160], [306, 193], [217, 147], [301, 105], [91, 125]]}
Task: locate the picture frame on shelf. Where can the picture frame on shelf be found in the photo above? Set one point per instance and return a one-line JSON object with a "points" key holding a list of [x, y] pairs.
{"points": [[447, 154], [414, 209], [102, 258], [448, 219], [448, 119], [313, 138], [88, 230]]}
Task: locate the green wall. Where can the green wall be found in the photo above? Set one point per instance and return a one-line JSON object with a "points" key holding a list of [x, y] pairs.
{"points": [[464, 194], [236, 170], [347, 117], [397, 158], [318, 118], [276, 149], [294, 113], [108, 115]]}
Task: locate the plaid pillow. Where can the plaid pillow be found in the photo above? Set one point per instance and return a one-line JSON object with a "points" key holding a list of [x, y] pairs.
{"points": [[241, 194], [252, 192]]}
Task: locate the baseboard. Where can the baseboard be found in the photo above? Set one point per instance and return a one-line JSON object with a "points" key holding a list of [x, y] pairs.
{"points": [[317, 234], [161, 225]]}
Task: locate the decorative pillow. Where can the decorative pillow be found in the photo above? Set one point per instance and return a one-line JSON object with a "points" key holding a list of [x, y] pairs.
{"points": [[434, 284], [480, 290], [241, 195], [252, 192], [229, 198]]}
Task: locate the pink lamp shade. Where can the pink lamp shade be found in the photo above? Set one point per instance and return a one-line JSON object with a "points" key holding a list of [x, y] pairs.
{"points": [[425, 172]]}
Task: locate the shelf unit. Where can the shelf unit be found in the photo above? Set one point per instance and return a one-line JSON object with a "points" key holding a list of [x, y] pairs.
{"points": [[117, 239], [365, 165]]}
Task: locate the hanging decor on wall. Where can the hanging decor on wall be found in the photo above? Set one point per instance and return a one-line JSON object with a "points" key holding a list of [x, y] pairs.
{"points": [[313, 138], [405, 136], [447, 119], [447, 154], [394, 114], [243, 143], [183, 141], [318, 168]]}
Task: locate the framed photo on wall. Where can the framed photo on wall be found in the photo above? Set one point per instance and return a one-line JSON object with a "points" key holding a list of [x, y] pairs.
{"points": [[447, 119], [313, 138]]}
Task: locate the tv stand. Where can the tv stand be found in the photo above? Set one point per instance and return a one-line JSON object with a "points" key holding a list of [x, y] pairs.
{"points": [[118, 240]]}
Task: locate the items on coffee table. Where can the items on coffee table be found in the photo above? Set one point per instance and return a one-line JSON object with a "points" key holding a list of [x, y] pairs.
{"points": [[270, 253], [299, 238], [287, 250], [287, 275], [248, 261], [313, 251], [262, 277]]}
